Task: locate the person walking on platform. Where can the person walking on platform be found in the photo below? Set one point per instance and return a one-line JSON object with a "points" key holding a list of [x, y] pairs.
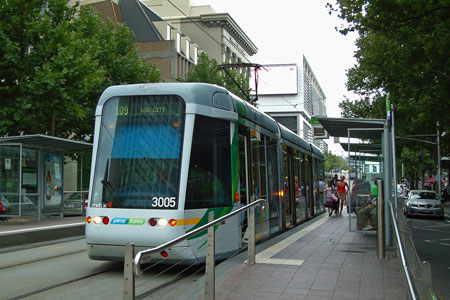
{"points": [[334, 183], [329, 199], [342, 190]]}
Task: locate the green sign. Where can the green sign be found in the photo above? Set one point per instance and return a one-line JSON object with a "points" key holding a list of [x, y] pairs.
{"points": [[314, 121]]}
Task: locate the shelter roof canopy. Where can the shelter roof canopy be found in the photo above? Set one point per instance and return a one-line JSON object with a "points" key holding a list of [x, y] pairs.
{"points": [[45, 141], [338, 127]]}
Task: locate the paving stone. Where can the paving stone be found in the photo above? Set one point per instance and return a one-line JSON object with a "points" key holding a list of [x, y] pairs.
{"points": [[330, 270]]}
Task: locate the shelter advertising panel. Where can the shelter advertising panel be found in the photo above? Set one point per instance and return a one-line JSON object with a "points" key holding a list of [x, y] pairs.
{"points": [[53, 168]]}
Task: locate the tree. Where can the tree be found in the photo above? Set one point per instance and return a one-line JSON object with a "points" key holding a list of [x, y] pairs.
{"points": [[333, 162], [207, 71], [402, 50], [55, 61]]}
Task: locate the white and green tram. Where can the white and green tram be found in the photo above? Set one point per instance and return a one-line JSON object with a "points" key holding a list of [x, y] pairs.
{"points": [[166, 154]]}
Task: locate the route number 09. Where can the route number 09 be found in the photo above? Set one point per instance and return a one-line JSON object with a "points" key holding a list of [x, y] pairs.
{"points": [[163, 202]]}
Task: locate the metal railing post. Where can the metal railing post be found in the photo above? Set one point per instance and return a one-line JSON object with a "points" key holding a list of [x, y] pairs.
{"points": [[128, 278], [210, 261], [380, 221], [251, 236]]}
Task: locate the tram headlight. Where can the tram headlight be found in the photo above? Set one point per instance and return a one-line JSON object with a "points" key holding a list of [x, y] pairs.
{"points": [[97, 220], [162, 222]]}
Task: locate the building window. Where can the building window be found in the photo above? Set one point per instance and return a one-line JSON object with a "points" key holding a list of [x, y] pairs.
{"points": [[195, 55], [188, 49], [306, 132], [289, 122], [178, 42], [168, 32]]}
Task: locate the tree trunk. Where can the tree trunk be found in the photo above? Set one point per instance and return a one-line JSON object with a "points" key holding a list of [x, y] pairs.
{"points": [[422, 171]]}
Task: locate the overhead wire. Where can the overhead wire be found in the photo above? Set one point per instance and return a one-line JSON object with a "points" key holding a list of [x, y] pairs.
{"points": [[190, 19]]}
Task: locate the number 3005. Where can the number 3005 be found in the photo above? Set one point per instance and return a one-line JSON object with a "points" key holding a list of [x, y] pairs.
{"points": [[163, 202]]}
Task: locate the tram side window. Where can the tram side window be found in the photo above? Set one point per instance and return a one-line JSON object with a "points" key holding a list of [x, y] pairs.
{"points": [[209, 180]]}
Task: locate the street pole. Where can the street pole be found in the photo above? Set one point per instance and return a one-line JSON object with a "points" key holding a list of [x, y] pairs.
{"points": [[439, 158], [394, 158]]}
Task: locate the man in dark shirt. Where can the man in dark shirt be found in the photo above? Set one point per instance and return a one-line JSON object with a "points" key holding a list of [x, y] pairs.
{"points": [[334, 183]]}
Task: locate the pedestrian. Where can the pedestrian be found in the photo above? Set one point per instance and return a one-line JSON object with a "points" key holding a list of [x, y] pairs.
{"points": [[445, 194], [334, 183], [342, 190], [329, 201]]}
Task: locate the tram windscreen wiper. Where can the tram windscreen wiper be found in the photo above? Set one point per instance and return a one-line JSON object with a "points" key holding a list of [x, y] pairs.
{"points": [[105, 177], [106, 184]]}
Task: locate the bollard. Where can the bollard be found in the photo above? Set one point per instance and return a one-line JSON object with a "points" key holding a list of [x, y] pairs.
{"points": [[380, 221], [210, 261], [251, 236], [128, 278]]}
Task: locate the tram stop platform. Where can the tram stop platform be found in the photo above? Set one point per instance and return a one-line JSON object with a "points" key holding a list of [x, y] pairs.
{"points": [[320, 259], [19, 232]]}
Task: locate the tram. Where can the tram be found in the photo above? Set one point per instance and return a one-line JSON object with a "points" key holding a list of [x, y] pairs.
{"points": [[166, 154]]}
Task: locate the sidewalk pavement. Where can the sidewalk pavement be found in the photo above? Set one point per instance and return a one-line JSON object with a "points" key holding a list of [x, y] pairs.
{"points": [[321, 259], [447, 210]]}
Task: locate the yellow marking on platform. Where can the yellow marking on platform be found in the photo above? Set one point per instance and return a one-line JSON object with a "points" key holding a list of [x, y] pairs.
{"points": [[265, 257], [188, 221]]}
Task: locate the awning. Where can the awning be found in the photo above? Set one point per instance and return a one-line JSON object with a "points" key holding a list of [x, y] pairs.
{"points": [[45, 141], [430, 180], [363, 148], [338, 127]]}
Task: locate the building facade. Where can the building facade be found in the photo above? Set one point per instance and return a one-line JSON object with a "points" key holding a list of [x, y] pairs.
{"points": [[294, 100], [217, 34], [160, 43]]}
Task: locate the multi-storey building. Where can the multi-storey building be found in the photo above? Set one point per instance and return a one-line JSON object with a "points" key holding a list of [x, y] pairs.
{"points": [[291, 94], [160, 43], [216, 33]]}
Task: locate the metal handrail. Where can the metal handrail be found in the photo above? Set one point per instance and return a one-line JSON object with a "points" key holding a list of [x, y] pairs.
{"points": [[402, 254], [145, 255]]}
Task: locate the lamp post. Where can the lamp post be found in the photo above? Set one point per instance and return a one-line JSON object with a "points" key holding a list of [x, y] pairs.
{"points": [[438, 141]]}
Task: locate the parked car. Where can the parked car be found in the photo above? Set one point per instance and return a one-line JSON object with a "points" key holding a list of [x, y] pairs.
{"points": [[74, 203], [423, 203], [3, 210]]}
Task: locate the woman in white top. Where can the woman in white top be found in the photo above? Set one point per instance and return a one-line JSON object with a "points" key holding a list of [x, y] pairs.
{"points": [[329, 201]]}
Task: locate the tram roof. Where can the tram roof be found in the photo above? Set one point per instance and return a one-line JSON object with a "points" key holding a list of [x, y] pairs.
{"points": [[290, 136], [208, 95], [45, 141], [195, 93]]}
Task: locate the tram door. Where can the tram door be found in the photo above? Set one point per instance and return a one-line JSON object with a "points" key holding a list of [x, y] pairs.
{"points": [[290, 188], [250, 178]]}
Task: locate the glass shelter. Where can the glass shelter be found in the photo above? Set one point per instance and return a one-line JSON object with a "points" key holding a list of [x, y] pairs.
{"points": [[368, 159], [32, 174]]}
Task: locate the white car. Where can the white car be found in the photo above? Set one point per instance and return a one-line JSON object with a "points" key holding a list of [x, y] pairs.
{"points": [[423, 203]]}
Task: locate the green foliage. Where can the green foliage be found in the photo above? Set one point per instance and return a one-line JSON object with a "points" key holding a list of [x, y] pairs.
{"points": [[207, 71], [413, 171], [402, 50], [54, 63], [333, 162]]}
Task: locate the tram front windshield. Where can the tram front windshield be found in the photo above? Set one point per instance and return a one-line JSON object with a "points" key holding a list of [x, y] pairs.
{"points": [[139, 153]]}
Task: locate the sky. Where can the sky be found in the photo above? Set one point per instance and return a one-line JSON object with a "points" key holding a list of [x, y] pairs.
{"points": [[285, 30]]}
